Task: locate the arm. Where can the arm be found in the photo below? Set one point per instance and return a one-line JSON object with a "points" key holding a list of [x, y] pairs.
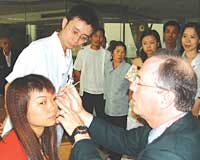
{"points": [[130, 93], [196, 107], [127, 142], [6, 88], [160, 154], [83, 149], [77, 75]]}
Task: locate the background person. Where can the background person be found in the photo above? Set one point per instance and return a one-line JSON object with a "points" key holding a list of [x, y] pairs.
{"points": [[163, 94], [149, 42], [89, 69], [8, 56], [190, 41], [116, 89], [32, 110], [171, 30]]}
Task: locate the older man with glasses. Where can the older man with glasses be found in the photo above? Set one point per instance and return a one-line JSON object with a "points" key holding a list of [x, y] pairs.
{"points": [[163, 95]]}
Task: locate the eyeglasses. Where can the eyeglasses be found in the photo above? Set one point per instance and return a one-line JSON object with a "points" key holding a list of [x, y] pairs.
{"points": [[83, 38], [138, 80]]}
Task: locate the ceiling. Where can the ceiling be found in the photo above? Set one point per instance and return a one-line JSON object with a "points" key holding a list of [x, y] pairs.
{"points": [[51, 11]]}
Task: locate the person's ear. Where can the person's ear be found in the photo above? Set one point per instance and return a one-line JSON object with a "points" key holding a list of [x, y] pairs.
{"points": [[64, 22], [168, 98], [158, 44]]}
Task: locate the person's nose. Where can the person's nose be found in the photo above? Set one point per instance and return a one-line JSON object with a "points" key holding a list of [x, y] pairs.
{"points": [[53, 106], [149, 46], [187, 39], [170, 34]]}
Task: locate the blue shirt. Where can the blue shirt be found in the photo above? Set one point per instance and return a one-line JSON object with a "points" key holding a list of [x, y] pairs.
{"points": [[116, 89]]}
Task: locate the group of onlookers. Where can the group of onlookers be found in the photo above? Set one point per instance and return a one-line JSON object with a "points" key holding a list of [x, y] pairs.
{"points": [[188, 48]]}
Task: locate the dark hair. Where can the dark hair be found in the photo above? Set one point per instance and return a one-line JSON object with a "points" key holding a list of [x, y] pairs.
{"points": [[115, 44], [196, 27], [85, 13], [154, 33], [178, 76], [165, 51], [172, 23], [17, 99], [111, 45], [99, 29]]}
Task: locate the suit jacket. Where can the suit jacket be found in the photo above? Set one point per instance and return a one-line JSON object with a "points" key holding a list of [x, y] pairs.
{"points": [[4, 69], [180, 141]]}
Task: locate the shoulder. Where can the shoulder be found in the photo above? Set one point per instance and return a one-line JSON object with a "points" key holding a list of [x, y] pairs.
{"points": [[1, 50], [125, 67], [37, 48], [11, 148]]}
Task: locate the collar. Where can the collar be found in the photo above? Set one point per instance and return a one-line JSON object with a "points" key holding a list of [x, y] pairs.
{"points": [[158, 131], [195, 61], [9, 54], [58, 46], [164, 46]]}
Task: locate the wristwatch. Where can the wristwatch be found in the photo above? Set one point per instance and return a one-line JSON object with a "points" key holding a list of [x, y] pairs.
{"points": [[79, 130]]}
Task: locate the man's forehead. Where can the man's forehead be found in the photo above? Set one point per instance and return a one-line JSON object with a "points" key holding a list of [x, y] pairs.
{"points": [[153, 62], [150, 66], [5, 39], [171, 27]]}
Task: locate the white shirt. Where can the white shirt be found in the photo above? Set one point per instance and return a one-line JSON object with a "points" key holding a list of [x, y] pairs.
{"points": [[176, 48], [8, 58], [44, 57], [196, 66], [91, 64], [157, 132]]}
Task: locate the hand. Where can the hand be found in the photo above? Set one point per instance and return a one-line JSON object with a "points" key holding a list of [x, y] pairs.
{"points": [[69, 97], [196, 108], [130, 75], [68, 118]]}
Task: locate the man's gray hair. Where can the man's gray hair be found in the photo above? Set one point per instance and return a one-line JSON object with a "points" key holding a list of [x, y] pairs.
{"points": [[177, 75]]}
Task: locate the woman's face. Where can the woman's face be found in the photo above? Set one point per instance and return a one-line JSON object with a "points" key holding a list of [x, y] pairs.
{"points": [[149, 45], [42, 110], [118, 54], [190, 39]]}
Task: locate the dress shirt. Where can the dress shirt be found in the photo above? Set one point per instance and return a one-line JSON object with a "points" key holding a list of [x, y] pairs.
{"points": [[157, 132]]}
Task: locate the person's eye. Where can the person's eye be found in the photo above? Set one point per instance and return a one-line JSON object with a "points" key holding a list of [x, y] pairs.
{"points": [[43, 102], [84, 38], [75, 32], [193, 37]]}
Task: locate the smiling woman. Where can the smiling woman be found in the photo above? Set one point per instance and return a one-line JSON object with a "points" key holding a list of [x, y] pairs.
{"points": [[32, 110]]}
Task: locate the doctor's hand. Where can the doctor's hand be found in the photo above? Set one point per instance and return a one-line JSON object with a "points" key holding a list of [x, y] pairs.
{"points": [[68, 118], [68, 97]]}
